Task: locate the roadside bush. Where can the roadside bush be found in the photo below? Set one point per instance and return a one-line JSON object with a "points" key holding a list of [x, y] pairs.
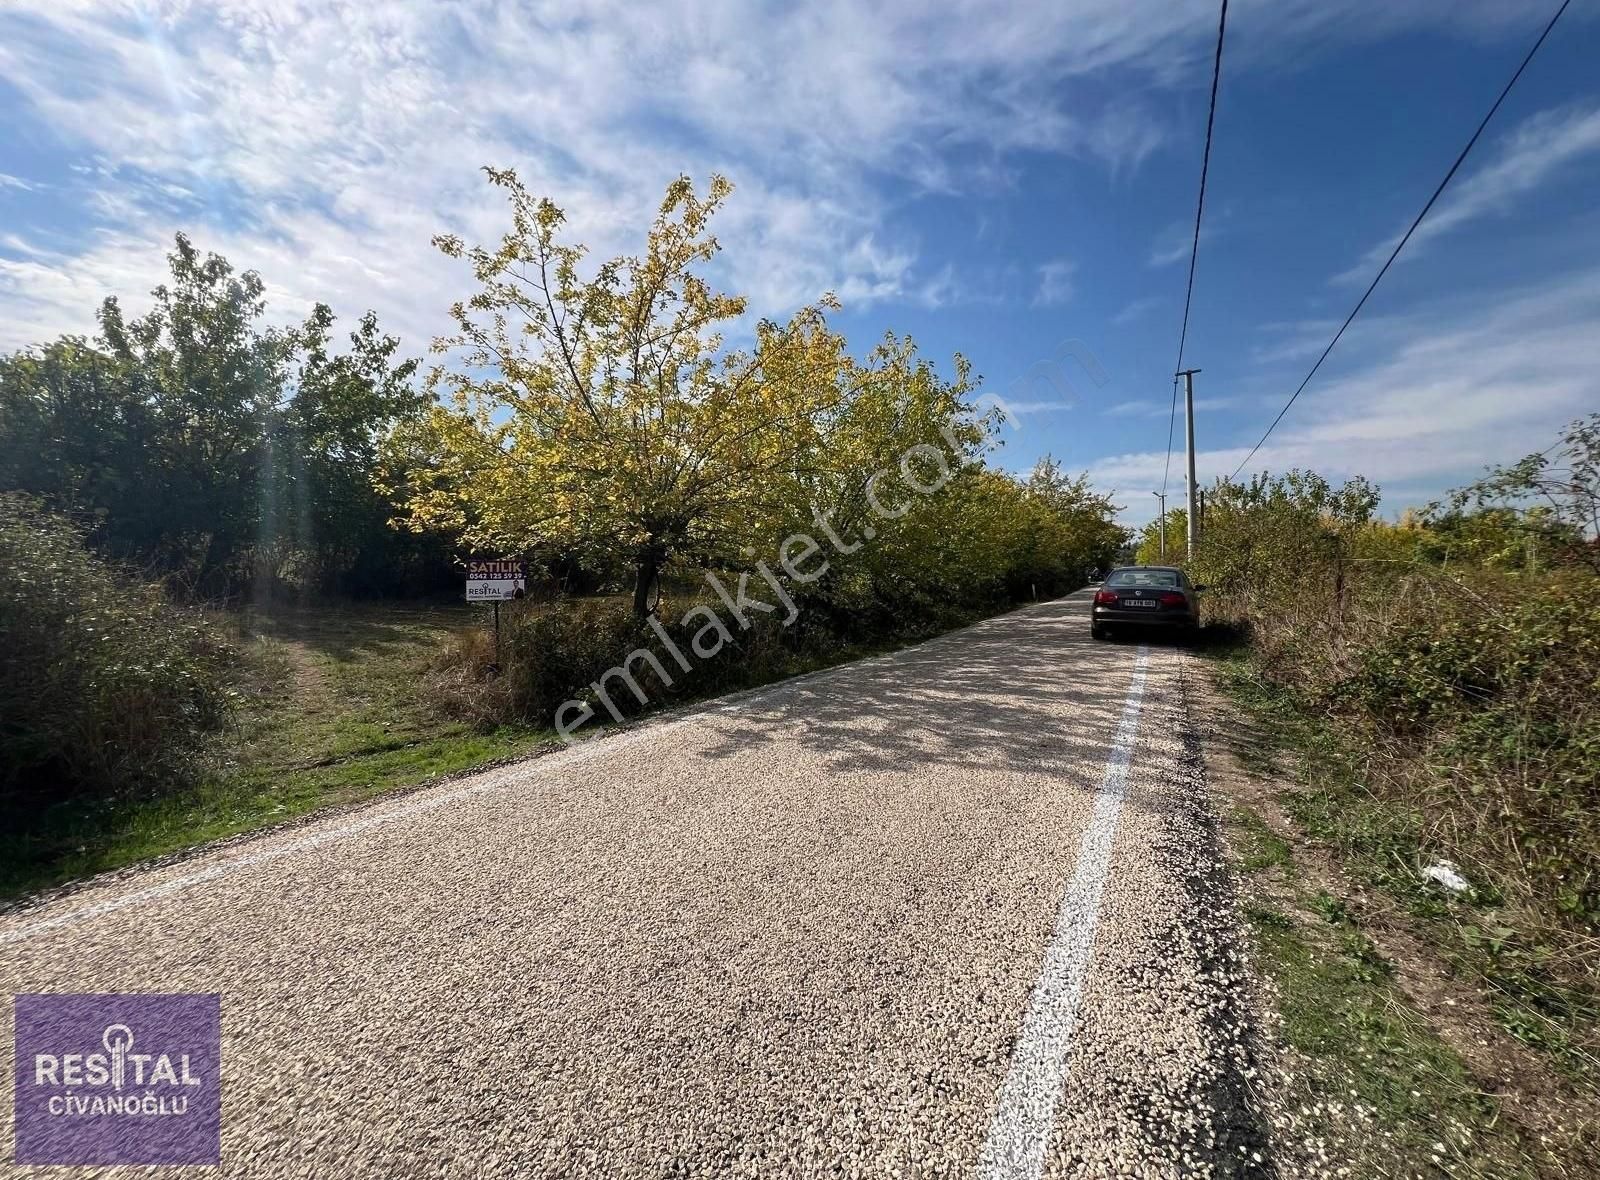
{"points": [[1495, 688], [1280, 558], [547, 651], [1467, 696], [554, 652], [105, 689]]}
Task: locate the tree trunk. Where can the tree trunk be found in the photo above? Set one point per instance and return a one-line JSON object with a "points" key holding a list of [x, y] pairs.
{"points": [[646, 573]]}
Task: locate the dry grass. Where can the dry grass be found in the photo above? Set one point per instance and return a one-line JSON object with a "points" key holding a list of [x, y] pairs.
{"points": [[1387, 806]]}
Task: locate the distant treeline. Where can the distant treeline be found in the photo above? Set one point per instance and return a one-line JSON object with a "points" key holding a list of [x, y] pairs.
{"points": [[214, 453], [603, 432]]}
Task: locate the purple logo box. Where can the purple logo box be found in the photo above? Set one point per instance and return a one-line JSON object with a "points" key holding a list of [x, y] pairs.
{"points": [[124, 1079]]}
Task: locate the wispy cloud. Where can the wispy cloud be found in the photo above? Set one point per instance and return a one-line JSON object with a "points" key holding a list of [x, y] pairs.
{"points": [[325, 142], [1137, 309], [1174, 244], [1039, 407], [1154, 408], [1136, 408], [1124, 135], [1481, 383], [347, 131], [1055, 282], [1534, 153]]}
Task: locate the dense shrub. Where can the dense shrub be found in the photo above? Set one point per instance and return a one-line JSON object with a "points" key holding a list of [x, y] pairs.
{"points": [[1471, 691], [1495, 685], [105, 689], [554, 652]]}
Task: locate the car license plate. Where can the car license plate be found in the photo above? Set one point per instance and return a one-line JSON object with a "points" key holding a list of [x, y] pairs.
{"points": [[1150, 602]]}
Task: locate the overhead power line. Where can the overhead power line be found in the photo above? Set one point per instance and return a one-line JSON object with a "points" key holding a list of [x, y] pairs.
{"points": [[1401, 244], [1194, 252]]}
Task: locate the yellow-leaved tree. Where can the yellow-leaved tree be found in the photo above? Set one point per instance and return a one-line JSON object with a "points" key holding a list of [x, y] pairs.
{"points": [[597, 411]]}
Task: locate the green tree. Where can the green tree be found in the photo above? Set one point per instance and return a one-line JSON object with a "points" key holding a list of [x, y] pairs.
{"points": [[1544, 506], [1149, 550], [204, 443], [70, 432], [207, 377], [1072, 529], [604, 416], [324, 438]]}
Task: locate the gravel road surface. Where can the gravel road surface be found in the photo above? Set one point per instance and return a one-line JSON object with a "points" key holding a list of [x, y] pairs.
{"points": [[954, 911]]}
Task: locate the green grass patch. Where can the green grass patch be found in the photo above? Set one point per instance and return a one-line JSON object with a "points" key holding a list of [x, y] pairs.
{"points": [[1381, 840], [1380, 1086], [1417, 1109], [1260, 848], [336, 710]]}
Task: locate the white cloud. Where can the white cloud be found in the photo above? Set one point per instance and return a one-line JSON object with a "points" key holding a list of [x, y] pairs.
{"points": [[1136, 408], [1172, 252], [1124, 135], [342, 136], [1176, 242], [1039, 407], [325, 143], [1538, 149], [1055, 282], [1137, 309], [1153, 408], [1481, 383]]}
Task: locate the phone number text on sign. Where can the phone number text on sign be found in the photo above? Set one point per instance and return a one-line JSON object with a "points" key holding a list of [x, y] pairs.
{"points": [[495, 580]]}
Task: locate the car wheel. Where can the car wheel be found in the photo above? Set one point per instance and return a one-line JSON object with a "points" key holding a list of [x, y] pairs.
{"points": [[1096, 631]]}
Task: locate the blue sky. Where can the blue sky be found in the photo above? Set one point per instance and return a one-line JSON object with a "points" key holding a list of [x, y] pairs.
{"points": [[999, 180]]}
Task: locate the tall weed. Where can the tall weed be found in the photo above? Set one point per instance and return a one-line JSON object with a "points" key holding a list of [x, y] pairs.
{"points": [[106, 690]]}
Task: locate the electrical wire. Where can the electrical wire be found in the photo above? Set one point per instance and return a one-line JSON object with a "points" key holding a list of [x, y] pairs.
{"points": [[1194, 251], [1395, 253]]}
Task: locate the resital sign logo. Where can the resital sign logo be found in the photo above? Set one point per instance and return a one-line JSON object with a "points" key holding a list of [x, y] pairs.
{"points": [[118, 1079]]}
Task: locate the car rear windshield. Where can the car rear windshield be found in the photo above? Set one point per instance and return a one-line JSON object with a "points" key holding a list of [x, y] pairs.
{"points": [[1143, 578]]}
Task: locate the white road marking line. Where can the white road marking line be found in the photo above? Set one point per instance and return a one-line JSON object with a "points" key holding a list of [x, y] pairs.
{"points": [[1026, 1112], [507, 777]]}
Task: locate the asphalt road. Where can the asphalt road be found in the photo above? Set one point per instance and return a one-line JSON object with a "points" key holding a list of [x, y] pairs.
{"points": [[954, 911]]}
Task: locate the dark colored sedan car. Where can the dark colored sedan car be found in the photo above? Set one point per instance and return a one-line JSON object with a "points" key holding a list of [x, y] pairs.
{"points": [[1145, 596]]}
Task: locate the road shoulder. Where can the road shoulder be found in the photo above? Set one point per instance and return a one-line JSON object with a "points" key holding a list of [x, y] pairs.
{"points": [[1379, 1060]]}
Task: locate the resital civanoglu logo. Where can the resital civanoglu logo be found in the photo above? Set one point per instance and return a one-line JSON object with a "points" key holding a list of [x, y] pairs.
{"points": [[118, 1079]]}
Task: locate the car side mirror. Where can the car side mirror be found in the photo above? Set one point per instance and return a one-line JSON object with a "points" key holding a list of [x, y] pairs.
{"points": [[1199, 586]]}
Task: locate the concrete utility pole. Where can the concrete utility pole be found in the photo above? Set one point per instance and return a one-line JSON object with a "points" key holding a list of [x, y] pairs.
{"points": [[1188, 417], [1162, 496]]}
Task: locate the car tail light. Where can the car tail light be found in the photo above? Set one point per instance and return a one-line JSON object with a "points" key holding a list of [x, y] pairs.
{"points": [[1105, 598], [1173, 598]]}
